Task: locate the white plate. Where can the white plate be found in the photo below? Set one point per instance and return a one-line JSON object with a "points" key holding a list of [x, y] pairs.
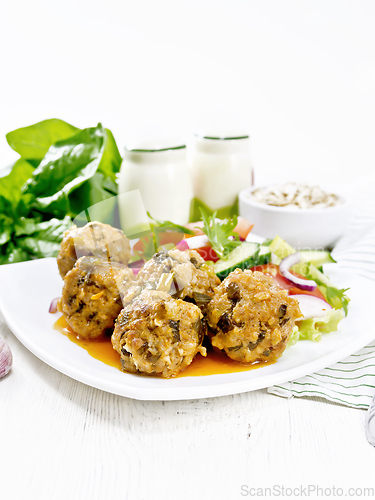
{"points": [[26, 290]]}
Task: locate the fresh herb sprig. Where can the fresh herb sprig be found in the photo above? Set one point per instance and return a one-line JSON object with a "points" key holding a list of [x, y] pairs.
{"points": [[161, 226], [335, 296], [220, 233]]}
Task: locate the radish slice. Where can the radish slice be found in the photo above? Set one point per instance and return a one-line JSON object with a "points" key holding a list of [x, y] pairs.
{"points": [[53, 306], [311, 306], [286, 264], [193, 243]]}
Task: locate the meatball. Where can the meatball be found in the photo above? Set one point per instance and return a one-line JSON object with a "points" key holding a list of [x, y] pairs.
{"points": [[182, 274], [91, 298], [251, 316], [96, 239], [158, 335]]}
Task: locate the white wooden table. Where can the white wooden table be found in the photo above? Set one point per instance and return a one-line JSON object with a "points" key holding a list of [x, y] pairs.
{"points": [[61, 439]]}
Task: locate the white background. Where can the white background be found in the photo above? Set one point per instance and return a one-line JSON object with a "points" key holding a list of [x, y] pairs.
{"points": [[298, 75]]}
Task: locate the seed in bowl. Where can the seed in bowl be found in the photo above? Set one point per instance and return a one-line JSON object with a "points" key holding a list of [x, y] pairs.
{"points": [[295, 195]]}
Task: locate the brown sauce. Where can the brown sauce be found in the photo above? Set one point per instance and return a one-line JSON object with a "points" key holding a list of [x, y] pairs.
{"points": [[98, 349], [214, 363]]}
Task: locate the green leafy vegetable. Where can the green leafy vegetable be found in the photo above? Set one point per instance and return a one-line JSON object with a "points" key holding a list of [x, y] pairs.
{"points": [[32, 239], [165, 226], [91, 194], [66, 166], [34, 141], [294, 337], [13, 254], [220, 233], [41, 239], [76, 172], [313, 328], [144, 248], [110, 162], [10, 184], [335, 296]]}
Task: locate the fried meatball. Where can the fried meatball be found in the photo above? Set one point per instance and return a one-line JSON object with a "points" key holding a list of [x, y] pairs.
{"points": [[251, 316], [158, 335], [96, 239], [91, 299], [182, 274]]}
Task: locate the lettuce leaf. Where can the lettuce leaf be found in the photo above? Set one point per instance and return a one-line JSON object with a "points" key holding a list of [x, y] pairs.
{"points": [[313, 328], [293, 339]]}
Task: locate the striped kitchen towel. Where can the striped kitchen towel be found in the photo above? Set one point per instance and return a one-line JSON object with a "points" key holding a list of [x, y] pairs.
{"points": [[352, 381]]}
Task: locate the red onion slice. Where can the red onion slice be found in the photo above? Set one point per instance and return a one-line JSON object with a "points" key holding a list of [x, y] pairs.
{"points": [[286, 264], [311, 306], [53, 306], [182, 246], [137, 263]]}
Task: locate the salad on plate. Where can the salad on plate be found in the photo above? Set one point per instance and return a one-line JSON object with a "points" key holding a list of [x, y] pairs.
{"points": [[183, 292]]}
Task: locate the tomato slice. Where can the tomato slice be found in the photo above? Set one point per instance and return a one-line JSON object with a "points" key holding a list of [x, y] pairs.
{"points": [[208, 253], [273, 271]]}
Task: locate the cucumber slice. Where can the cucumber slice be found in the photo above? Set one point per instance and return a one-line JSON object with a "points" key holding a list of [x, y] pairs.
{"points": [[242, 257], [281, 248], [319, 277], [264, 256], [316, 257]]}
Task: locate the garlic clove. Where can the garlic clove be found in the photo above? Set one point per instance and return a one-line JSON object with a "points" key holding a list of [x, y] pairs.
{"points": [[6, 358]]}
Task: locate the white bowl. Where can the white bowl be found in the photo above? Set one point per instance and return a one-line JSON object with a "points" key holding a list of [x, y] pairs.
{"points": [[312, 228]]}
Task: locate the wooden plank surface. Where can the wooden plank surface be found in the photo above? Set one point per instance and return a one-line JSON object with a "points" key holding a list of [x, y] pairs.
{"points": [[62, 439]]}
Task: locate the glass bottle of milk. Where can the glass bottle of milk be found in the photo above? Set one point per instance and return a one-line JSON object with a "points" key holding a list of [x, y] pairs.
{"points": [[221, 167]]}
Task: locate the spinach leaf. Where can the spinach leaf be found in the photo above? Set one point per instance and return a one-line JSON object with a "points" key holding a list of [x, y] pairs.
{"points": [[10, 184], [110, 162], [34, 141], [67, 165], [87, 200], [13, 254], [41, 239], [76, 175], [5, 230]]}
